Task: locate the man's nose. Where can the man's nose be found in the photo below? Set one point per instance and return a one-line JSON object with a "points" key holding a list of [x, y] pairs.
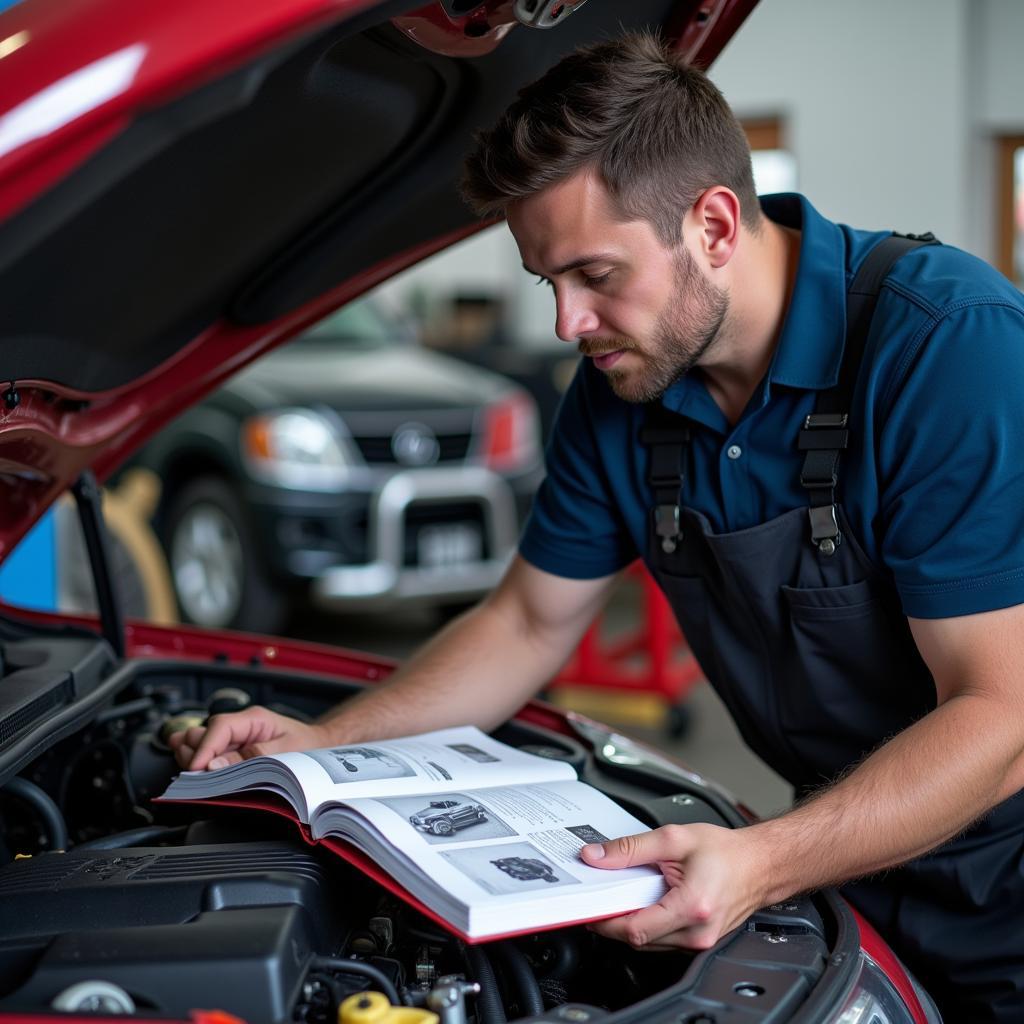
{"points": [[574, 317]]}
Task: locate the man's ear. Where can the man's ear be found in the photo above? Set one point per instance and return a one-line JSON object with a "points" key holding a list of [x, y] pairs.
{"points": [[715, 224]]}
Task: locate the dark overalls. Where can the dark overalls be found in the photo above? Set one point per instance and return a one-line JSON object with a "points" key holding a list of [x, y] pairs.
{"points": [[806, 643]]}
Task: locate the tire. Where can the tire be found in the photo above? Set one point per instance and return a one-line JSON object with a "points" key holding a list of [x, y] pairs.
{"points": [[678, 721], [442, 827], [220, 579]]}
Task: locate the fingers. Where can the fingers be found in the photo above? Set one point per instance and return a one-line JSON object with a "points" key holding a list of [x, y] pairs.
{"points": [[695, 938], [668, 843], [228, 739], [677, 920], [184, 742], [228, 734], [231, 757]]}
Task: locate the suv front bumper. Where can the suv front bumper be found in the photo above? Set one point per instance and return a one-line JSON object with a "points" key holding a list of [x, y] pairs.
{"points": [[470, 515]]}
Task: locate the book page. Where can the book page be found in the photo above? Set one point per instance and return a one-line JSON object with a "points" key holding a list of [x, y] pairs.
{"points": [[428, 763], [481, 844]]}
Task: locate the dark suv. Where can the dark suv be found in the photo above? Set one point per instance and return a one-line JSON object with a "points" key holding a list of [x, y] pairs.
{"points": [[443, 817], [352, 466]]}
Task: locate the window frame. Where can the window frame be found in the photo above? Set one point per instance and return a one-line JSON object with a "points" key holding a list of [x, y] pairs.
{"points": [[1005, 219]]}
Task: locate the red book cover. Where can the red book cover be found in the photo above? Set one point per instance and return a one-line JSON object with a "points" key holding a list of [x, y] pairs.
{"points": [[262, 801]]}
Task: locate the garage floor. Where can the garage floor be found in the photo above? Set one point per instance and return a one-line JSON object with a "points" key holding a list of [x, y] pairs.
{"points": [[711, 746]]}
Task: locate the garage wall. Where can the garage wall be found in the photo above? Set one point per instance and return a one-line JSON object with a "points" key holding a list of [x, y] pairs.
{"points": [[999, 25], [876, 117], [890, 107]]}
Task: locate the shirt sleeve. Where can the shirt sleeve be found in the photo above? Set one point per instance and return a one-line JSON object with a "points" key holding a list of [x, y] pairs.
{"points": [[952, 464], [575, 528]]}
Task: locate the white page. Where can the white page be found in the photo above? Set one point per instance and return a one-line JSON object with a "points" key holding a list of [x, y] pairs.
{"points": [[431, 762], [500, 844]]}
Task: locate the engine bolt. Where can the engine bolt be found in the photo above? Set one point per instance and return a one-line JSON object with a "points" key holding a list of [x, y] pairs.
{"points": [[748, 990]]}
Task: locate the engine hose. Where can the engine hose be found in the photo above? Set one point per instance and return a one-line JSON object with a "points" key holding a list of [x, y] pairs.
{"points": [[520, 974], [565, 950], [490, 1009], [374, 974], [44, 806], [134, 837]]}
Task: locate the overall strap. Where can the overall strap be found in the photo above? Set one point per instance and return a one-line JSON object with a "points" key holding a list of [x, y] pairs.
{"points": [[668, 437], [825, 433]]}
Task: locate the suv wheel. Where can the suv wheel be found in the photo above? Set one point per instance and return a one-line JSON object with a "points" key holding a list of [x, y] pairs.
{"points": [[442, 827], [219, 578]]}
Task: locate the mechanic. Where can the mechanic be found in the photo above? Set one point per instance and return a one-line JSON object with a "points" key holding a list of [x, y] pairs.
{"points": [[863, 624]]}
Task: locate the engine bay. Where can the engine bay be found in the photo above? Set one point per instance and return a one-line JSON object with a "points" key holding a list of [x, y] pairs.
{"points": [[111, 903]]}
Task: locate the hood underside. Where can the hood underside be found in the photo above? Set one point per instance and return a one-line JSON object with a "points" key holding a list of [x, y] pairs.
{"points": [[219, 221]]}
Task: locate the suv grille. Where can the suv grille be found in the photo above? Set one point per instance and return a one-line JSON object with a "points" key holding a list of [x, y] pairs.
{"points": [[377, 449]]}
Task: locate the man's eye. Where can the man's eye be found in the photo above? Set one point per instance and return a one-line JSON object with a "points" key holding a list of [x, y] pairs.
{"points": [[544, 280], [593, 282]]}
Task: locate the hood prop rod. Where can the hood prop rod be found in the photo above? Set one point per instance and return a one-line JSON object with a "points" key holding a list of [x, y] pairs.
{"points": [[97, 543]]}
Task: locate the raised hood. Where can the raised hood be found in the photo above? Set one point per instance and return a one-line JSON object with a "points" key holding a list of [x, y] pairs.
{"points": [[184, 186]]}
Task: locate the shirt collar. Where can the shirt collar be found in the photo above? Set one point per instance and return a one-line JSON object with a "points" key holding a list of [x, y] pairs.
{"points": [[810, 347]]}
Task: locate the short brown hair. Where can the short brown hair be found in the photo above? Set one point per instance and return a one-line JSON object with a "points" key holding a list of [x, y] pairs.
{"points": [[656, 129]]}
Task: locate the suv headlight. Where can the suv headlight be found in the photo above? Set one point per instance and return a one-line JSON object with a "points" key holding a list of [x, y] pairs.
{"points": [[296, 448], [510, 438]]}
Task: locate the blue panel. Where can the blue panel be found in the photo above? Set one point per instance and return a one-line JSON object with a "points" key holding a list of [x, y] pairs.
{"points": [[29, 576]]}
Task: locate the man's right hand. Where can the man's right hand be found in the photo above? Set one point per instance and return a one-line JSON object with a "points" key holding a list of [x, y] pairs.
{"points": [[230, 738]]}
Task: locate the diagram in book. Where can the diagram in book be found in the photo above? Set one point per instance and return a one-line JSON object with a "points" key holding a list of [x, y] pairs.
{"points": [[474, 753], [508, 867], [526, 869], [449, 817], [587, 833], [443, 817], [361, 764]]}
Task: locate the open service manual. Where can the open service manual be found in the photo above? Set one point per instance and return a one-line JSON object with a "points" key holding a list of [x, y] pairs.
{"points": [[482, 837]]}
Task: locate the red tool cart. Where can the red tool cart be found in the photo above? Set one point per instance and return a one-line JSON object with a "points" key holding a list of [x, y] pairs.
{"points": [[648, 655]]}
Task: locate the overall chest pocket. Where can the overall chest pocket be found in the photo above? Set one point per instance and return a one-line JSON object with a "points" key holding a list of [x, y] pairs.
{"points": [[856, 677]]}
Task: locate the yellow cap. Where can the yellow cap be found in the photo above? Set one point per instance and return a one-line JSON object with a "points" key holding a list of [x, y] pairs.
{"points": [[374, 1008]]}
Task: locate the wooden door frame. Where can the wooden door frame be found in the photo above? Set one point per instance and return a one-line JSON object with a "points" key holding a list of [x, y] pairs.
{"points": [[1005, 214], [763, 132]]}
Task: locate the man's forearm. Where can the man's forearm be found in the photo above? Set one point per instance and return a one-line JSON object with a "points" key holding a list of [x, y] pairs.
{"points": [[479, 670], [912, 794]]}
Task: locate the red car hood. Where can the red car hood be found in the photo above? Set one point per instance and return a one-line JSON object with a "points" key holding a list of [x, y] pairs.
{"points": [[184, 186]]}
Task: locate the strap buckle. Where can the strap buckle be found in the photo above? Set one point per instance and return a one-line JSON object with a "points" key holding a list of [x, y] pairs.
{"points": [[666, 526], [825, 421], [824, 528]]}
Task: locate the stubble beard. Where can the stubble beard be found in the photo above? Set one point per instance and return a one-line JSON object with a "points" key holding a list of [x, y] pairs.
{"points": [[683, 333]]}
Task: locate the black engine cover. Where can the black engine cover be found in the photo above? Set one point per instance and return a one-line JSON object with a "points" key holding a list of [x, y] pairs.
{"points": [[239, 921]]}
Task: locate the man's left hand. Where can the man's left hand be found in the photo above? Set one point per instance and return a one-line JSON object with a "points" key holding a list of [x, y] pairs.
{"points": [[712, 877]]}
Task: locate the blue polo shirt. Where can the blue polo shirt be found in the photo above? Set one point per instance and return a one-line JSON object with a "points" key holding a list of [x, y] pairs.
{"points": [[933, 481]]}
